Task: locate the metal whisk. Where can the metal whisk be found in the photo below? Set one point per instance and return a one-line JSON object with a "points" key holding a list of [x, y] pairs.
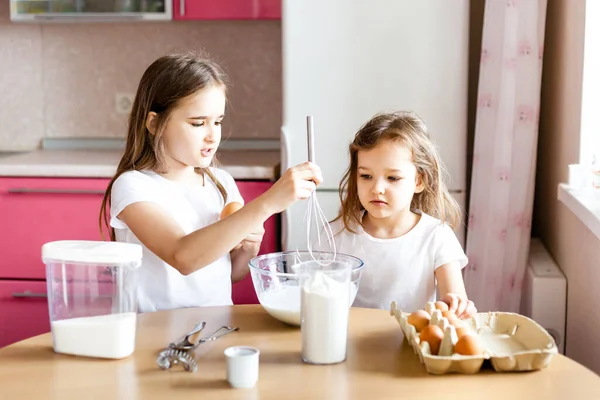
{"points": [[313, 210]]}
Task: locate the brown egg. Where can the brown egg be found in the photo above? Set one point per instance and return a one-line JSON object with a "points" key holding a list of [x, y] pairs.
{"points": [[469, 345], [451, 317], [433, 335], [230, 208], [462, 331], [440, 305], [419, 319]]}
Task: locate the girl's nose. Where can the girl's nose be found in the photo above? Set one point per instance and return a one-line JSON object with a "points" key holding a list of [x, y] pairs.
{"points": [[379, 187], [211, 134]]}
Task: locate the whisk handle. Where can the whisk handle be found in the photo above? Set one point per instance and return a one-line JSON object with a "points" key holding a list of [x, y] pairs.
{"points": [[310, 138]]}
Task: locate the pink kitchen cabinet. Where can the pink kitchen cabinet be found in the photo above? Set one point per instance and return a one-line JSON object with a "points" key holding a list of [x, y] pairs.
{"points": [[34, 211], [243, 292], [23, 310], [24, 305], [269, 9], [226, 9]]}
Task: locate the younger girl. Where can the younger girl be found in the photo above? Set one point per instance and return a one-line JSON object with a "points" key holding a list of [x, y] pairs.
{"points": [[167, 197], [397, 216]]}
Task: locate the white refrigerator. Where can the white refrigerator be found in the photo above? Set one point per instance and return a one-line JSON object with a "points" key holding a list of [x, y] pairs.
{"points": [[346, 60]]}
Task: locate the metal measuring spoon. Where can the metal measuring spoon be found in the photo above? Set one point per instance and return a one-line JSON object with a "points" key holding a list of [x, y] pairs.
{"points": [[222, 331], [188, 340], [172, 356]]}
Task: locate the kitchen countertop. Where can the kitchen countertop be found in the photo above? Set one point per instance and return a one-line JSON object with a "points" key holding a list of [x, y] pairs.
{"points": [[241, 164], [380, 364]]}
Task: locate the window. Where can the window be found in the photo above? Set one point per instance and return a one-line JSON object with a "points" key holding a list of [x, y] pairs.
{"points": [[590, 103], [585, 204]]}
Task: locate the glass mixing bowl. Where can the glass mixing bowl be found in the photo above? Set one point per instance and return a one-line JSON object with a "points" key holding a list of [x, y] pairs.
{"points": [[278, 287]]}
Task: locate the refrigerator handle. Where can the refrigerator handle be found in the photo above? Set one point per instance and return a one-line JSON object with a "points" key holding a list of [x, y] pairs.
{"points": [[285, 215], [285, 149]]}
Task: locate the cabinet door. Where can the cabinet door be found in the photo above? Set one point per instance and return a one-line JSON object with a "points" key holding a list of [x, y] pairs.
{"points": [[23, 310], [24, 305], [269, 9], [251, 190], [34, 211], [243, 291], [214, 9]]}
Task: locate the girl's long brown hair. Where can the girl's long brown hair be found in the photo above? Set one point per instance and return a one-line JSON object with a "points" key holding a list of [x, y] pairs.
{"points": [[409, 130], [165, 82]]}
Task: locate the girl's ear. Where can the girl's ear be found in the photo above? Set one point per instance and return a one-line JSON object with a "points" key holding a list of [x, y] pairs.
{"points": [[419, 184], [151, 122]]}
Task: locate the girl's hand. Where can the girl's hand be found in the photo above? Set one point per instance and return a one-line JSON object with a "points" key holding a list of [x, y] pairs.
{"points": [[295, 184], [452, 289], [460, 305], [251, 244]]}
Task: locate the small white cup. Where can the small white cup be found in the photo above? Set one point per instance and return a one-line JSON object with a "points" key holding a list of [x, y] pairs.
{"points": [[242, 366]]}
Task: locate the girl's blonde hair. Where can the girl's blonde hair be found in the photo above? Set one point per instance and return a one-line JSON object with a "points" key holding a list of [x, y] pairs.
{"points": [[163, 85], [409, 130]]}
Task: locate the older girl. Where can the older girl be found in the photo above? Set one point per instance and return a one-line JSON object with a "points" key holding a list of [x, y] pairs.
{"points": [[167, 195]]}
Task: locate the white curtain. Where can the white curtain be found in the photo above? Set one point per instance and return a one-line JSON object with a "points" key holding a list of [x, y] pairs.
{"points": [[504, 155]]}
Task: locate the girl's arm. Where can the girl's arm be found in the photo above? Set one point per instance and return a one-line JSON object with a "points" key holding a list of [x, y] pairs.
{"points": [[452, 290], [159, 232]]}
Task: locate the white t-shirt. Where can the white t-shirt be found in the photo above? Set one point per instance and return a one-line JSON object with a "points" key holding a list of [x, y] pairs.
{"points": [[160, 286], [400, 269]]}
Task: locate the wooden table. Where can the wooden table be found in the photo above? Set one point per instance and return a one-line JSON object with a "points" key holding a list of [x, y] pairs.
{"points": [[380, 365]]}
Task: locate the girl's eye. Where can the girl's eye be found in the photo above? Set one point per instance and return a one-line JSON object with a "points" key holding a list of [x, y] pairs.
{"points": [[394, 178], [365, 176], [199, 124]]}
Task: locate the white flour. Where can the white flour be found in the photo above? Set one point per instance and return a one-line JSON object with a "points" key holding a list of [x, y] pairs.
{"points": [[104, 336], [284, 303], [325, 325]]}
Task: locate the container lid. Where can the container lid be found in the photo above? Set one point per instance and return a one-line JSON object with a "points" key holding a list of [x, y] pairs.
{"points": [[91, 252]]}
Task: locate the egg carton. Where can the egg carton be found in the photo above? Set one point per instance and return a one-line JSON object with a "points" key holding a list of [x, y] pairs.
{"points": [[512, 342]]}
